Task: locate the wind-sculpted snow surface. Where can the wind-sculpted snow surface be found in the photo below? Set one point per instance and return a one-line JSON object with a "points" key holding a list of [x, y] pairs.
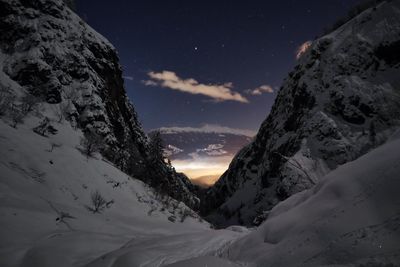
{"points": [[339, 102]]}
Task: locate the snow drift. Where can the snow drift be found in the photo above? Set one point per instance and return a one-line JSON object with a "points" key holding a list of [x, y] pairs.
{"points": [[350, 218]]}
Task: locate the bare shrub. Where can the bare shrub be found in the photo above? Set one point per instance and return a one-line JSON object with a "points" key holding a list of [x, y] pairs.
{"points": [[59, 113], [45, 128], [7, 99], [15, 111], [152, 209], [372, 133], [99, 203], [53, 146], [62, 216], [29, 103], [16, 116], [62, 111], [185, 213]]}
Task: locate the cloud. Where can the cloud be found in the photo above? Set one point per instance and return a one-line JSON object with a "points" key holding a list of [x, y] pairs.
{"points": [[207, 128], [128, 78], [149, 83], [212, 150], [302, 49], [260, 90], [171, 150], [218, 92]]}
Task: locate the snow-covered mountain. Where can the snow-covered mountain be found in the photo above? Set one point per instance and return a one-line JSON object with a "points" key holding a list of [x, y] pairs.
{"points": [[49, 55], [340, 101], [72, 154]]}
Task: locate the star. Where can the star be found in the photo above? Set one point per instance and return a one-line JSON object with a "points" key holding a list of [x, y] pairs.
{"points": [[223, 45], [196, 48]]}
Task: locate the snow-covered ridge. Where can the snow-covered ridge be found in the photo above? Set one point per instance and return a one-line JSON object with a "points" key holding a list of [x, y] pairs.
{"points": [[340, 101]]}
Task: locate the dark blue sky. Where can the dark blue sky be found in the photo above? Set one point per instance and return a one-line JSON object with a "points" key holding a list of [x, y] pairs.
{"points": [[248, 43]]}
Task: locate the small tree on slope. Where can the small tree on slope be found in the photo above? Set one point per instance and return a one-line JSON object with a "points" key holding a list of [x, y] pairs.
{"points": [[91, 144], [156, 148]]}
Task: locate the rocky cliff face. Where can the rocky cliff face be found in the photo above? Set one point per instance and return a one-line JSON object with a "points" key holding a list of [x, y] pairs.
{"points": [[340, 101], [53, 56]]}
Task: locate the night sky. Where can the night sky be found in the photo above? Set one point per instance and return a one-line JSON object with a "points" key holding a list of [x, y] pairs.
{"points": [[227, 49]]}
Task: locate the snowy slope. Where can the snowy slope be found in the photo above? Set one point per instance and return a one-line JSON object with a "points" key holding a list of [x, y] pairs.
{"points": [[339, 102], [44, 219], [350, 218], [38, 184]]}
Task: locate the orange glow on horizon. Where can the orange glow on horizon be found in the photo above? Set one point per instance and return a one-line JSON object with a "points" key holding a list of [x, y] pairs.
{"points": [[207, 170]]}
